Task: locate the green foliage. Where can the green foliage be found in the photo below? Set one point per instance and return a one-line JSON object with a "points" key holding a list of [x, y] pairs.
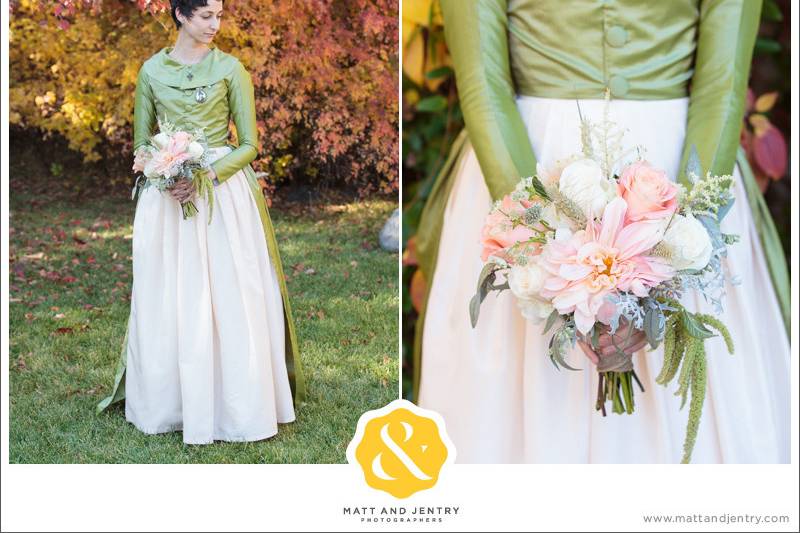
{"points": [[684, 348]]}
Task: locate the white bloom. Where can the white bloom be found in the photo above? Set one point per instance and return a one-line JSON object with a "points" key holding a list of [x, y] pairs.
{"points": [[160, 140], [534, 309], [688, 243], [555, 218], [195, 150], [149, 169], [526, 281], [583, 183]]}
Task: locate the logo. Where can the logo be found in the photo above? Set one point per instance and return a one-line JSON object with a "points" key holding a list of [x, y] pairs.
{"points": [[401, 448]]}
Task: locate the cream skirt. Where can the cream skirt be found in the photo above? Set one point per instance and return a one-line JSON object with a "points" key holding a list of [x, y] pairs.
{"points": [[206, 335], [501, 397]]}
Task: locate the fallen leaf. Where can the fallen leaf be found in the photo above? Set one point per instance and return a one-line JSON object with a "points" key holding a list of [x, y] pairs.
{"points": [[63, 331]]}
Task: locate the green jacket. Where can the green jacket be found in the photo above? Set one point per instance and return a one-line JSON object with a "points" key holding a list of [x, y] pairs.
{"points": [[635, 49], [167, 88]]}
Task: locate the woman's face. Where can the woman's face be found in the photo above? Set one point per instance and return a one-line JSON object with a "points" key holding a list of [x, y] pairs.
{"points": [[204, 23]]}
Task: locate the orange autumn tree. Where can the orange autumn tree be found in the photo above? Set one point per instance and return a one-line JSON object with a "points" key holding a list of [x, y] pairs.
{"points": [[325, 74]]}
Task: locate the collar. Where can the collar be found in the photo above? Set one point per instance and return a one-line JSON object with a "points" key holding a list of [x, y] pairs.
{"points": [[214, 66]]}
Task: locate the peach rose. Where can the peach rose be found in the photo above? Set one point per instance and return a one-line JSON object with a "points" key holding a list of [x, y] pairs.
{"points": [[498, 231], [648, 192]]}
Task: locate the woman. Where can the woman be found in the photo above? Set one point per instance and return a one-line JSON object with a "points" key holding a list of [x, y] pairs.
{"points": [[210, 347], [677, 74]]}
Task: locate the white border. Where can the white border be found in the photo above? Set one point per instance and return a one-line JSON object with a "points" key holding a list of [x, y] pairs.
{"points": [[310, 497]]}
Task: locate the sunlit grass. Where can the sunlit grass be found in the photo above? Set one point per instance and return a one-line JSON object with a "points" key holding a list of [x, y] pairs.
{"points": [[70, 296]]}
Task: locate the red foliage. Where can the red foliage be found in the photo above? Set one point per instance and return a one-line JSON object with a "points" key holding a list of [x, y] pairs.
{"points": [[325, 73], [763, 142]]}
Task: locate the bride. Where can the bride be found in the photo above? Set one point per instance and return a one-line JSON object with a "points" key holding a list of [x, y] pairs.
{"points": [[677, 73], [210, 347]]}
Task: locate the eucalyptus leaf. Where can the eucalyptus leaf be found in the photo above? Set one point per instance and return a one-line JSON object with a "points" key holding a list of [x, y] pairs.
{"points": [[501, 287], [551, 320], [487, 270], [557, 342], [595, 337], [485, 284], [694, 327], [723, 210], [474, 309], [693, 165], [712, 226], [654, 323]]}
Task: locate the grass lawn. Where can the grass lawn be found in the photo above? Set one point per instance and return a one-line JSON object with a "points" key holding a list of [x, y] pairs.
{"points": [[70, 278]]}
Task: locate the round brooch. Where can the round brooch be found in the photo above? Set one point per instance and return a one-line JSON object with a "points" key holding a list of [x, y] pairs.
{"points": [[200, 95]]}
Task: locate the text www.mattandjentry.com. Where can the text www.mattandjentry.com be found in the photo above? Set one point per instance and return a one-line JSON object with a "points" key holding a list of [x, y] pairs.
{"points": [[721, 518]]}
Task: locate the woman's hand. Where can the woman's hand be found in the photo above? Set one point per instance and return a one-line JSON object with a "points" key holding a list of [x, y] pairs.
{"points": [[606, 342], [212, 175], [183, 190]]}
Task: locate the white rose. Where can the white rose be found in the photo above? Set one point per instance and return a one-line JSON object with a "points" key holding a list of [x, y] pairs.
{"points": [[526, 281], [688, 243], [555, 218], [583, 183], [195, 149], [160, 140], [534, 309], [149, 171]]}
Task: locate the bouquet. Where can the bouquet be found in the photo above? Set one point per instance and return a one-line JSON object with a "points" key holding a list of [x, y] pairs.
{"points": [[604, 238], [172, 155]]}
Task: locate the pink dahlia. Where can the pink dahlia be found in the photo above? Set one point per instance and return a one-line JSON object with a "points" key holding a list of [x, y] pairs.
{"points": [[607, 257]]}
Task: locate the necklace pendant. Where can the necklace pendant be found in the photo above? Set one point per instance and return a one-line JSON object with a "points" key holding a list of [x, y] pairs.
{"points": [[200, 95], [190, 75]]}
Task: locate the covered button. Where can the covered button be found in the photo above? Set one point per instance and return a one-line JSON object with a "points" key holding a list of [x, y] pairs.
{"points": [[617, 36], [619, 86]]}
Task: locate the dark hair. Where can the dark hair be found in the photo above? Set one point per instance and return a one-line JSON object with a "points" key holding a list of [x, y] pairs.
{"points": [[186, 7]]}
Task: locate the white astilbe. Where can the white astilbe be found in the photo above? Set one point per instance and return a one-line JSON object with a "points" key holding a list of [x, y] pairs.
{"points": [[602, 141], [708, 193]]}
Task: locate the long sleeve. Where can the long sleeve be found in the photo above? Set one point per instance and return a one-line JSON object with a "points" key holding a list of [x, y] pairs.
{"points": [[144, 113], [476, 34], [243, 109], [726, 36]]}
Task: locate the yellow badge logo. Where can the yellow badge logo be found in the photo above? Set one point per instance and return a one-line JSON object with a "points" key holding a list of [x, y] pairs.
{"points": [[401, 448]]}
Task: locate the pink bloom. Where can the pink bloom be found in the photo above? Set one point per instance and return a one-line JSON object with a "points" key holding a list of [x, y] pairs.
{"points": [[167, 161], [648, 192], [179, 142], [140, 159], [606, 257], [498, 231]]}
